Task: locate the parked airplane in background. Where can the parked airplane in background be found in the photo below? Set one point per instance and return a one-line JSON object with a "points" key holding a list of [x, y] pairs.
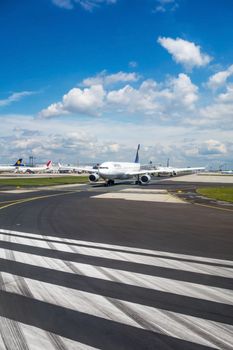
{"points": [[11, 168], [227, 172], [111, 171], [73, 169], [35, 169]]}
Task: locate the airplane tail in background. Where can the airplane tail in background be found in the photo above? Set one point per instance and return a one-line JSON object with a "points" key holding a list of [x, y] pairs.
{"points": [[137, 155], [49, 164], [19, 162]]}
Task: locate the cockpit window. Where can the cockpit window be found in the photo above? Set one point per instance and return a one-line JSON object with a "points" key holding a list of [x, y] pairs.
{"points": [[103, 167]]}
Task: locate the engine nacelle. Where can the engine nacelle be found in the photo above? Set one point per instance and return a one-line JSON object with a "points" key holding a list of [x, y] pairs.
{"points": [[174, 173], [94, 177], [145, 179]]}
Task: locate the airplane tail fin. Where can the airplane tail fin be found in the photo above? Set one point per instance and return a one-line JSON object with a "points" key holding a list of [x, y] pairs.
{"points": [[19, 162], [49, 164], [137, 155]]}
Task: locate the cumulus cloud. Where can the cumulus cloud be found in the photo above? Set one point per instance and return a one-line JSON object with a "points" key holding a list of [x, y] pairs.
{"points": [[185, 52], [148, 97], [15, 97], [226, 97], [184, 91], [92, 141], [135, 100], [219, 113], [151, 99], [219, 79], [212, 147], [85, 101], [110, 79], [88, 5]]}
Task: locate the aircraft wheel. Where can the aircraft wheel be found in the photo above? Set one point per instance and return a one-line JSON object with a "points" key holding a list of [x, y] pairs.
{"points": [[110, 183]]}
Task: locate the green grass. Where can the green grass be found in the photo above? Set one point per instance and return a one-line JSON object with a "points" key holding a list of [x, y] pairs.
{"points": [[220, 193], [47, 181]]}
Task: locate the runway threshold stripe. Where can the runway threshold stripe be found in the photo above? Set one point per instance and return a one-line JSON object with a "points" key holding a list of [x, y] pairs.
{"points": [[194, 267], [188, 289], [189, 328], [127, 249], [36, 338]]}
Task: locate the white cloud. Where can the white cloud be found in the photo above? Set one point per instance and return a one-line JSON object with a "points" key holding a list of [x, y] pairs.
{"points": [[87, 101], [153, 99], [110, 79], [88, 5], [98, 139], [226, 97], [212, 147], [185, 52], [149, 98], [135, 100], [219, 113], [219, 79], [184, 91], [15, 97]]}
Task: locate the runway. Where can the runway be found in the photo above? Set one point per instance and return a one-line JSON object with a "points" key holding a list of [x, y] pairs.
{"points": [[90, 268]]}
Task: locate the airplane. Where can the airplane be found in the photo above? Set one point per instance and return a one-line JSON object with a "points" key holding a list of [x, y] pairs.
{"points": [[11, 168], [73, 169], [111, 171], [35, 169], [227, 172]]}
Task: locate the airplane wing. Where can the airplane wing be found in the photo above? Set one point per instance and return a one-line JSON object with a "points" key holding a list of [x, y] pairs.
{"points": [[188, 169], [143, 172]]}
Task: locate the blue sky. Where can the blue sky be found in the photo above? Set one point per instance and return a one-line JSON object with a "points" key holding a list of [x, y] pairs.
{"points": [[86, 80]]}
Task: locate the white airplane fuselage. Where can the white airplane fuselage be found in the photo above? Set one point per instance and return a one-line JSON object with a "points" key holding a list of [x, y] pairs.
{"points": [[7, 168], [117, 170]]}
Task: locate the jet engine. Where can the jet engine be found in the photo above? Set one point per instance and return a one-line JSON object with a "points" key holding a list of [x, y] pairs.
{"points": [[173, 173], [145, 179], [94, 177]]}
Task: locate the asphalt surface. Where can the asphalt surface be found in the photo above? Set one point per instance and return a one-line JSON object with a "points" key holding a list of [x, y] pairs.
{"points": [[78, 272]]}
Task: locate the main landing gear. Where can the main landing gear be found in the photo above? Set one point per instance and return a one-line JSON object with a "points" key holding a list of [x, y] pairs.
{"points": [[109, 183], [138, 182]]}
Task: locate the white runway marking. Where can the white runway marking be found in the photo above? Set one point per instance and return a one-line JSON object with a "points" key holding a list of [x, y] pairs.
{"points": [[116, 247], [142, 195], [32, 334], [109, 308], [176, 324], [128, 257]]}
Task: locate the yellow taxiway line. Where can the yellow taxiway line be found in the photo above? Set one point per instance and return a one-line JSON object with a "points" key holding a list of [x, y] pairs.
{"points": [[213, 207], [19, 201]]}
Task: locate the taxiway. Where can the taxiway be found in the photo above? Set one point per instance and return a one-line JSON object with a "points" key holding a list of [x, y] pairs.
{"points": [[123, 267]]}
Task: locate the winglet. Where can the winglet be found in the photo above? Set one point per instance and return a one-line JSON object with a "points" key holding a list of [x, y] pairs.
{"points": [[137, 155]]}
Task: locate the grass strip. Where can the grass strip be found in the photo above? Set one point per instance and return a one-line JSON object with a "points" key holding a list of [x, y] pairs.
{"points": [[47, 181], [219, 193]]}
